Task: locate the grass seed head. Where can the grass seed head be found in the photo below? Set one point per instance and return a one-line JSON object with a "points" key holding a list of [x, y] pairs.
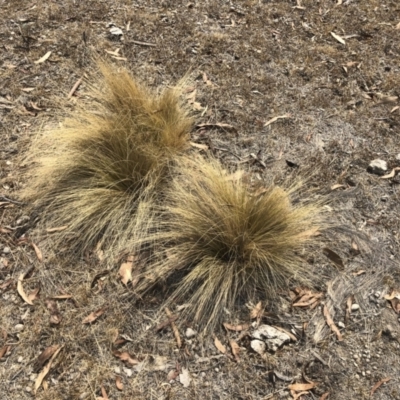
{"points": [[107, 160], [225, 242]]}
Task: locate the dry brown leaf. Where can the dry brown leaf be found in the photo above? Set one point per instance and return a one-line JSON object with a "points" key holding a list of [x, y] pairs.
{"points": [[34, 294], [236, 328], [334, 257], [44, 356], [125, 357], [74, 88], [331, 324], [391, 174], [391, 295], [174, 328], [118, 383], [221, 348], [394, 109], [398, 26], [57, 229], [379, 384], [337, 186], [104, 394], [272, 120], [125, 271], [45, 370], [199, 146], [235, 349], [301, 387], [55, 317], [20, 288], [324, 396], [257, 310], [395, 303], [94, 315], [4, 350], [296, 396], [172, 375], [338, 38], [43, 59]]}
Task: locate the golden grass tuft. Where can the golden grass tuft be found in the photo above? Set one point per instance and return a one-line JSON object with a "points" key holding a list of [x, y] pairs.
{"points": [[226, 243], [102, 168]]}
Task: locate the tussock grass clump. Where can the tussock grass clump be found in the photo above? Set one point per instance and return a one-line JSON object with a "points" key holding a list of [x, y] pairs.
{"points": [[101, 169], [227, 243]]}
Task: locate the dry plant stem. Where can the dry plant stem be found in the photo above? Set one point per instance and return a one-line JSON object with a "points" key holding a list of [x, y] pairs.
{"points": [[102, 170], [224, 242]]}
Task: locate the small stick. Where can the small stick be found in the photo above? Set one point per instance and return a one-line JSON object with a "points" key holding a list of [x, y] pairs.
{"points": [[73, 90], [143, 43]]}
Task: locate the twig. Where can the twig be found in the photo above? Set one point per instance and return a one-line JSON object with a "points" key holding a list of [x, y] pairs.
{"points": [[4, 198], [143, 43], [73, 90]]}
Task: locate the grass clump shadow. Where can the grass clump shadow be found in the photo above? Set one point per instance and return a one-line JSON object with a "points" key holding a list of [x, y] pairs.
{"points": [[102, 169], [223, 242]]}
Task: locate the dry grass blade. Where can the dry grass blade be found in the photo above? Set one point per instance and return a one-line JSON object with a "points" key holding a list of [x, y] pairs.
{"points": [[228, 244], [101, 167]]}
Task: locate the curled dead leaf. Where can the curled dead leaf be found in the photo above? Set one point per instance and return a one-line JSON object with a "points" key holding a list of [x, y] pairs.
{"points": [[20, 288], [379, 384], [331, 324], [256, 311], [300, 387], [125, 271], [46, 370], [235, 349], [221, 348], [44, 58], [274, 119], [44, 356], [125, 357], [38, 252], [236, 328], [94, 315], [4, 350], [334, 257], [118, 383]]}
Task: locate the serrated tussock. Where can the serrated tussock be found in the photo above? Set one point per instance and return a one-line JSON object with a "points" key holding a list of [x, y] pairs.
{"points": [[99, 173], [224, 242]]}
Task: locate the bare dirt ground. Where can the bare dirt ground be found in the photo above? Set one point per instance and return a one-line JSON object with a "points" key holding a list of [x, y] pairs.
{"points": [[331, 69]]}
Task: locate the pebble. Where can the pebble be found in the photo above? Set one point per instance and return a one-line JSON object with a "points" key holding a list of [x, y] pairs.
{"points": [[398, 157], [19, 327], [378, 167], [341, 325], [6, 250], [258, 346], [28, 389], [355, 307], [190, 333], [20, 359], [128, 372], [117, 370], [377, 294]]}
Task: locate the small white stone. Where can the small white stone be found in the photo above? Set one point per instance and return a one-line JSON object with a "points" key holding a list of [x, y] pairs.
{"points": [[19, 327], [190, 333], [20, 359], [128, 372], [341, 325], [377, 294], [28, 389], [6, 250], [117, 370], [258, 346], [378, 167], [355, 307], [273, 338]]}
